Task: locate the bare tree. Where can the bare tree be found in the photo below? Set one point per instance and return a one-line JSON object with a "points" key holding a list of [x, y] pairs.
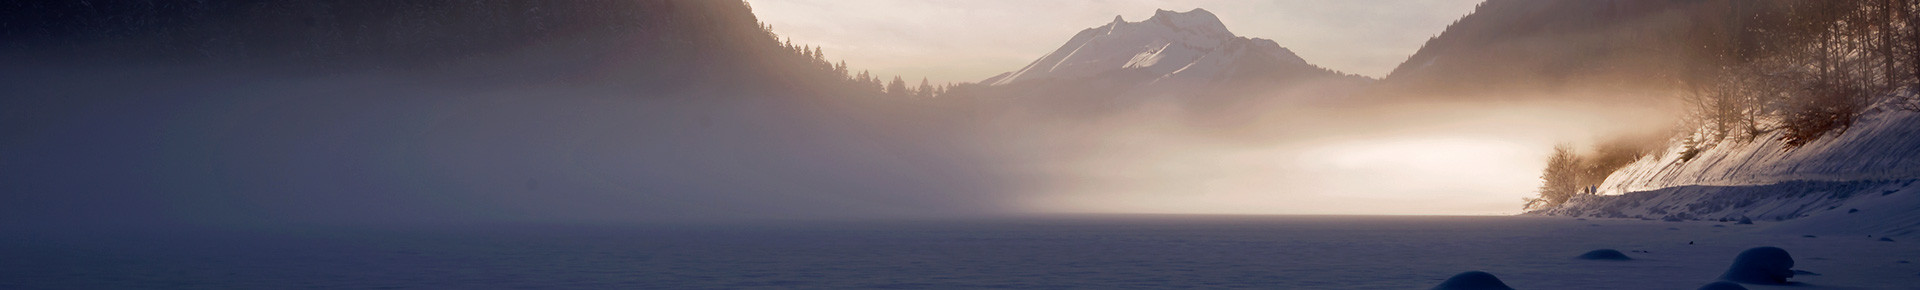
{"points": [[1561, 179]]}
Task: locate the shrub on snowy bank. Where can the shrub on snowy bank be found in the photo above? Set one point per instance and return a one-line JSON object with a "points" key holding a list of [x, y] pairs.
{"points": [[1570, 174], [1560, 181]]}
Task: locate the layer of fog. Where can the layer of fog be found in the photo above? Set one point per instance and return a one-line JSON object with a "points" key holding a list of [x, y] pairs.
{"points": [[131, 146], [189, 145], [1399, 157]]}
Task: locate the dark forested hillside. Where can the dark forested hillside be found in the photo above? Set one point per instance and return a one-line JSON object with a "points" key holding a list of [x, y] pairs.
{"points": [[1509, 46], [364, 31], [450, 111], [659, 43], [1532, 45], [1794, 71]]}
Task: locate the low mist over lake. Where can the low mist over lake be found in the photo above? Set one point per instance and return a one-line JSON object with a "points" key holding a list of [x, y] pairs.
{"points": [[959, 144]]}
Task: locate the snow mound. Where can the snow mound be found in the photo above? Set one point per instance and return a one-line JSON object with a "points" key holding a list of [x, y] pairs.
{"points": [[1473, 280], [1763, 265], [1604, 254], [1723, 285]]}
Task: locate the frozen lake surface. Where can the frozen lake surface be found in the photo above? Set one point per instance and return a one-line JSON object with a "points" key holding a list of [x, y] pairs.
{"points": [[1109, 252]]}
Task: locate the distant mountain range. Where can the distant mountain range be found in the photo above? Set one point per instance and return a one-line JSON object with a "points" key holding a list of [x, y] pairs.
{"points": [[1502, 49]]}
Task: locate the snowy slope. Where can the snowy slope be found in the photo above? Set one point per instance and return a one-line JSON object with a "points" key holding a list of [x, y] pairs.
{"points": [[1883, 144], [1187, 46], [1861, 180]]}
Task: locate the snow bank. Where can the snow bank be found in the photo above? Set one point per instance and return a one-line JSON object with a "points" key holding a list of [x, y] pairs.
{"points": [[1472, 280], [1857, 181], [1778, 201], [1883, 144]]}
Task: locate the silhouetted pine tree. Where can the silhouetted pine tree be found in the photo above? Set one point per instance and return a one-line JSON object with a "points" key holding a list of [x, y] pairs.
{"points": [[898, 88], [925, 90]]}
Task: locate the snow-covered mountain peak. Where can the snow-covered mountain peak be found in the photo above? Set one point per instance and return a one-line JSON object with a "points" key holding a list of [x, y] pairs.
{"points": [[1192, 45], [1196, 20]]}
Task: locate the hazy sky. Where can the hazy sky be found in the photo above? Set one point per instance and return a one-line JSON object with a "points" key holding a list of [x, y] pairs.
{"points": [[970, 40]]}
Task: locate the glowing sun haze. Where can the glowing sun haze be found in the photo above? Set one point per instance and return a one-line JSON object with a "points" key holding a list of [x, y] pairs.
{"points": [[970, 40], [1405, 159]]}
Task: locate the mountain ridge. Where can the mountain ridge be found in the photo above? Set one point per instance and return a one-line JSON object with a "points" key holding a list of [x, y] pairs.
{"points": [[1192, 44], [1189, 61]]}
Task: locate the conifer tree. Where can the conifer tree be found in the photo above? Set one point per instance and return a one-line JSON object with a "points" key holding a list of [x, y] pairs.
{"points": [[897, 88], [925, 90]]}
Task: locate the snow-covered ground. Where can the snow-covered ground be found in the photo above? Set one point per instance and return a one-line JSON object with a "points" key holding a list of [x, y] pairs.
{"points": [[1880, 207], [1859, 181], [1098, 252]]}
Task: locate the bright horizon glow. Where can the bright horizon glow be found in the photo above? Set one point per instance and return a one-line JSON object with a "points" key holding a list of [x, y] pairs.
{"points": [[970, 40], [1412, 159], [1410, 175]]}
